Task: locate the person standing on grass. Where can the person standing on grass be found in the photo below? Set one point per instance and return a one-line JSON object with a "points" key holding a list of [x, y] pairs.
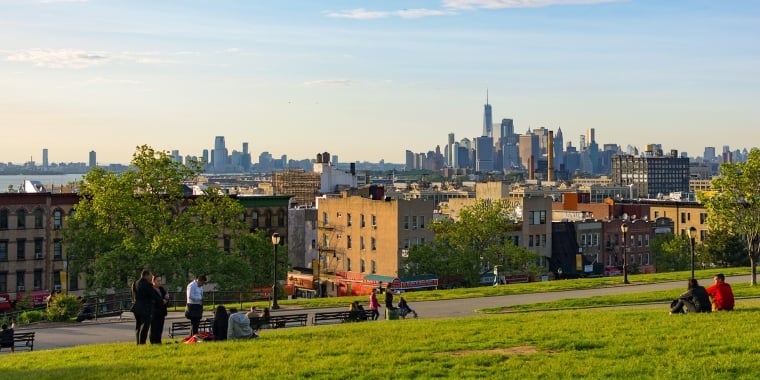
{"points": [[160, 311], [721, 294], [194, 309], [144, 298], [694, 300], [374, 305]]}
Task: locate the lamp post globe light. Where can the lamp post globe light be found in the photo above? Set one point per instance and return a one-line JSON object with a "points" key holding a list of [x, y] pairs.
{"points": [[692, 236], [624, 229], [275, 243]]}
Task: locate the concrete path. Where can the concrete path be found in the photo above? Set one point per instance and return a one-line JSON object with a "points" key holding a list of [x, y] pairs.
{"points": [[114, 329]]}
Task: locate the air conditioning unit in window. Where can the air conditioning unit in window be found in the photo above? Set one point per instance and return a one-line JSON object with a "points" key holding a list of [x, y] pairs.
{"points": [[57, 288], [404, 253], [38, 256], [19, 288]]}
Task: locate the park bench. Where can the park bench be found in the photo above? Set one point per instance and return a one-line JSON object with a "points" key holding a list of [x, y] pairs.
{"points": [[337, 316], [23, 341], [182, 328], [278, 321]]}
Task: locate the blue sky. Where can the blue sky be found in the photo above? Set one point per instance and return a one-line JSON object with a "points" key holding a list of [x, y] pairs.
{"points": [[367, 80]]}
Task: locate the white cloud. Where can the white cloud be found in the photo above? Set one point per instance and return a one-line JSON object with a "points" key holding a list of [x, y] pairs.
{"points": [[329, 83], [502, 4], [363, 14], [60, 59], [102, 80]]}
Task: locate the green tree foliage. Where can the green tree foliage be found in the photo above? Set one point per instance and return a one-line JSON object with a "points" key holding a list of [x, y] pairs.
{"points": [[724, 249], [734, 203], [63, 307], [474, 244], [144, 218], [672, 252]]}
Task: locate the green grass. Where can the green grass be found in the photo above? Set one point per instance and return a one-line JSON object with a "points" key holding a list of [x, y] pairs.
{"points": [[741, 290], [532, 287], [631, 343]]}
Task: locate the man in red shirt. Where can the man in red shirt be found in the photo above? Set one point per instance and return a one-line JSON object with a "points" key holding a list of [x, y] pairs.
{"points": [[720, 293]]}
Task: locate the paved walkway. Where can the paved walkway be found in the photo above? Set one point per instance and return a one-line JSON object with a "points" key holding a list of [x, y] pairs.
{"points": [[114, 329]]}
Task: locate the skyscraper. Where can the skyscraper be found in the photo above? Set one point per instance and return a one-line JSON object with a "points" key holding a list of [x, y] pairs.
{"points": [[220, 155], [93, 159], [44, 159], [487, 119]]}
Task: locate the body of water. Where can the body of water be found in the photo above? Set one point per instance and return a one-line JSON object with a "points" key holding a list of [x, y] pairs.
{"points": [[49, 181]]}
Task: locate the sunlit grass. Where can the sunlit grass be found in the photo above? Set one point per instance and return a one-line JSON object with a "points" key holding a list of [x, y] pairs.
{"points": [[631, 343]]}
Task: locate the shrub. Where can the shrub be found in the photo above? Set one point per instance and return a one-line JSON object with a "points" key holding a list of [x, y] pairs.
{"points": [[31, 316], [63, 307], [24, 303]]}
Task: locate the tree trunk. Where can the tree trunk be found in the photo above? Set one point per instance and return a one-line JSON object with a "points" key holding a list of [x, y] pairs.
{"points": [[753, 264]]}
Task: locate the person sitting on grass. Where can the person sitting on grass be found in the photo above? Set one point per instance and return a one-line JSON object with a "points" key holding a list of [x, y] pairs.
{"points": [[239, 326], [694, 300], [721, 294]]}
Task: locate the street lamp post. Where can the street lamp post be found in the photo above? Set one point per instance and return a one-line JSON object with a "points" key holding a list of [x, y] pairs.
{"points": [[624, 229], [692, 236], [275, 243]]}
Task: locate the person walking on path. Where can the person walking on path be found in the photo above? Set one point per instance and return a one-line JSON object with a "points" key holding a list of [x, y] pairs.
{"points": [[374, 305], [194, 309], [721, 294], [144, 298], [159, 311], [389, 298]]}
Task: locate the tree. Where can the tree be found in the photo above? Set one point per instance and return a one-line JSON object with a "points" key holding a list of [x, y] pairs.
{"points": [[475, 243], [724, 249], [673, 252], [144, 218], [734, 203]]}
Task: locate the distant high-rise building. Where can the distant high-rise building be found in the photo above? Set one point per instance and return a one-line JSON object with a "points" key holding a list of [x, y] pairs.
{"points": [[220, 155], [590, 136], [484, 154], [709, 154], [44, 159], [487, 119], [529, 148], [559, 154], [176, 157], [450, 152], [246, 158], [205, 157], [93, 159], [651, 176]]}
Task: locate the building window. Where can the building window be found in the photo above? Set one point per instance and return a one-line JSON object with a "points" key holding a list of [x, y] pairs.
{"points": [[348, 241], [373, 267], [3, 219], [226, 243], [38, 244], [38, 218], [21, 219], [683, 217], [349, 220], [373, 244], [530, 240], [406, 243], [73, 281], [348, 264], [57, 219], [281, 218], [422, 221], [254, 219], [57, 281], [3, 250], [374, 220], [361, 219], [702, 218], [313, 244], [406, 222], [268, 218], [3, 282], [57, 250], [537, 217], [543, 240], [414, 222], [20, 249], [656, 215], [361, 242], [325, 219], [361, 265], [37, 279], [20, 281]]}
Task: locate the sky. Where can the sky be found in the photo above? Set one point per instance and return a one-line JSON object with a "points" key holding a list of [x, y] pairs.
{"points": [[368, 80]]}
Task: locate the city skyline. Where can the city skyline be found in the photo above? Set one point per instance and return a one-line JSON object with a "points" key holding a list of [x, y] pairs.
{"points": [[369, 81]]}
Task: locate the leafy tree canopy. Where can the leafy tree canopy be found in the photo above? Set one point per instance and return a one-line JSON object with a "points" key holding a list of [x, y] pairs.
{"points": [[144, 218]]}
